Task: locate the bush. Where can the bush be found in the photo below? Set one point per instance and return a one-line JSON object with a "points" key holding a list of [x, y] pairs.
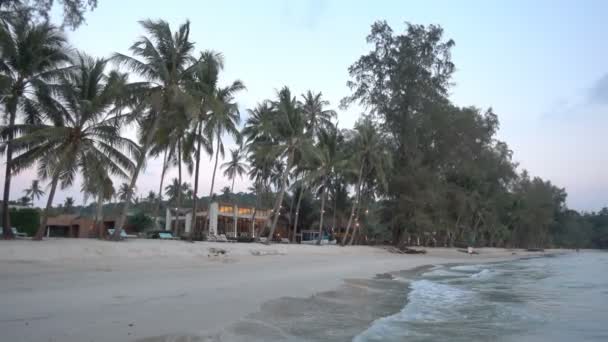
{"points": [[140, 222], [25, 220]]}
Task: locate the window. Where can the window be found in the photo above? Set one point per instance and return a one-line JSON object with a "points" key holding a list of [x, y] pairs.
{"points": [[225, 209], [245, 211]]}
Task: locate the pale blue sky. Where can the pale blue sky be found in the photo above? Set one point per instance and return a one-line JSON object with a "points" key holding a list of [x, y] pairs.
{"points": [[542, 66]]}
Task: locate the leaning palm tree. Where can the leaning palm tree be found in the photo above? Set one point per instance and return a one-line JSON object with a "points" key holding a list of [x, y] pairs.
{"points": [[233, 168], [317, 117], [164, 59], [34, 192], [370, 156], [83, 133], [290, 144], [32, 54]]}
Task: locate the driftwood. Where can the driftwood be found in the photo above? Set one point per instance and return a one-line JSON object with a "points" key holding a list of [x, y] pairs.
{"points": [[217, 252], [406, 250]]}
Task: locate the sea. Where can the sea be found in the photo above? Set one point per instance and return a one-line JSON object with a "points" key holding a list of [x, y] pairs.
{"points": [[552, 298]]}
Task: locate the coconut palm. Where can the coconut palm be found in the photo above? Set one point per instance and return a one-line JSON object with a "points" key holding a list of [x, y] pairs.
{"points": [[175, 190], [290, 144], [123, 192], [32, 54], [202, 86], [223, 120], [164, 59], [326, 161], [236, 166], [34, 192], [97, 183], [317, 117], [68, 205], [370, 157], [84, 133], [233, 168], [25, 201]]}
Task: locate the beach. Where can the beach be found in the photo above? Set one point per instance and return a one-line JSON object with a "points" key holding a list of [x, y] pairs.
{"points": [[149, 290]]}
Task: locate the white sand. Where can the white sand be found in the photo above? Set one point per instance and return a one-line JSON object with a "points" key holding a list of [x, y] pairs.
{"points": [[88, 290]]}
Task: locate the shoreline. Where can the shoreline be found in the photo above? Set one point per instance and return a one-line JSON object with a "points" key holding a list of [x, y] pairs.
{"points": [[147, 290]]}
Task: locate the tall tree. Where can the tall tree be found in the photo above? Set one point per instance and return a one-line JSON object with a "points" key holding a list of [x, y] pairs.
{"points": [[165, 62], [317, 116], [34, 192], [31, 55], [81, 108], [233, 168], [326, 162], [369, 155], [223, 119]]}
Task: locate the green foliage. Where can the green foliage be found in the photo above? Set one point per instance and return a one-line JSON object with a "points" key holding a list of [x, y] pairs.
{"points": [[25, 220], [140, 222]]}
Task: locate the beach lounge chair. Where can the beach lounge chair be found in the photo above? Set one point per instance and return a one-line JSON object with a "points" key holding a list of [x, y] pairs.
{"points": [[211, 238]]}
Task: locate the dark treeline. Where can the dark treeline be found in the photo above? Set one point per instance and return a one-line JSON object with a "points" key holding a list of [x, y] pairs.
{"points": [[414, 169]]}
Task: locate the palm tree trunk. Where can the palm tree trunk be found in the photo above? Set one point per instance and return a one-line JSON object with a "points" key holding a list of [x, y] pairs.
{"points": [[234, 216], [295, 223], [45, 214], [99, 217], [357, 227], [279, 201], [140, 164], [7, 232], [160, 189], [321, 219], [178, 203], [255, 210], [217, 154], [194, 199], [352, 210]]}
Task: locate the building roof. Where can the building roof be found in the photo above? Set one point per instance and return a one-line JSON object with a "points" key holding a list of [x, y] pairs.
{"points": [[69, 220]]}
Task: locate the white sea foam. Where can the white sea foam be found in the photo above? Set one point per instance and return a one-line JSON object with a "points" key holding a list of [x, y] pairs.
{"points": [[468, 268], [428, 302]]}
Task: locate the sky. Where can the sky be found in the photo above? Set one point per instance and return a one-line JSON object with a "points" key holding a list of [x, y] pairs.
{"points": [[541, 65]]}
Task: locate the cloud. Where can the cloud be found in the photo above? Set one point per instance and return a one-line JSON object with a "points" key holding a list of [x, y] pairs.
{"points": [[598, 93]]}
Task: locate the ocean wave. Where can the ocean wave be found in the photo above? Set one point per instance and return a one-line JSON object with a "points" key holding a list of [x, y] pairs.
{"points": [[468, 268], [428, 302], [484, 274]]}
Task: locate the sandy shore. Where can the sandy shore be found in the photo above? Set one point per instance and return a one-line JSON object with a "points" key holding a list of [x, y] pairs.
{"points": [[147, 290]]}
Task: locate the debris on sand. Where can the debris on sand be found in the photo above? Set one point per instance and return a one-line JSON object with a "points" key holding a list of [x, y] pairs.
{"points": [[217, 252]]}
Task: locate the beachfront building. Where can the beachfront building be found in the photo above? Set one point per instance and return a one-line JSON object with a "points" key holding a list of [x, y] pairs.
{"points": [[222, 220], [75, 226]]}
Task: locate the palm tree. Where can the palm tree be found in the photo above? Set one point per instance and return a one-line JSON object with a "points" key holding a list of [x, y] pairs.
{"points": [[98, 184], [317, 116], [123, 192], [68, 205], [233, 168], [165, 63], [175, 190], [32, 54], [151, 196], [84, 134], [326, 161], [202, 86], [290, 145], [35, 191], [25, 201], [370, 156], [223, 119]]}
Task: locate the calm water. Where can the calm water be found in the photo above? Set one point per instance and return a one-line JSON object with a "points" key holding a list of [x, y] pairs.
{"points": [[561, 298]]}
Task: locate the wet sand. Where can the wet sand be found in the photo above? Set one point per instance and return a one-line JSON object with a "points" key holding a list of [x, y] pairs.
{"points": [[146, 290]]}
